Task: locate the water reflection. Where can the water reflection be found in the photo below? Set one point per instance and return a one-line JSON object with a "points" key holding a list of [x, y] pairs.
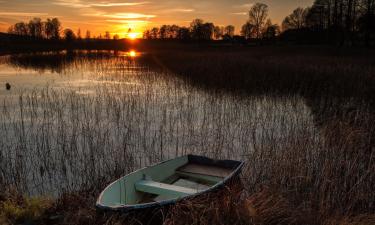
{"points": [[57, 62], [107, 114], [132, 53]]}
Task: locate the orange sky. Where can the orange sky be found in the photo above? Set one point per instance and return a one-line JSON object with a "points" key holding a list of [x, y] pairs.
{"points": [[118, 16]]}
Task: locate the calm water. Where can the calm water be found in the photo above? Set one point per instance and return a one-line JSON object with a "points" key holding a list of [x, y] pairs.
{"points": [[72, 119]]}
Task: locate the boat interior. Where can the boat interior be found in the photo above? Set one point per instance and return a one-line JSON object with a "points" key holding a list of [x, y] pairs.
{"points": [[188, 179], [172, 179]]}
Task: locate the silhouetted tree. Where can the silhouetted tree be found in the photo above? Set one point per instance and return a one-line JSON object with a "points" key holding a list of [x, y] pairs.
{"points": [[35, 28], [296, 20], [154, 33], [218, 32], [163, 32], [270, 30], [79, 36], [183, 33], [116, 37], [19, 29], [56, 28], [196, 29], [107, 35], [69, 35], [200, 30], [208, 31], [173, 31], [229, 31], [248, 30], [343, 19], [257, 16], [367, 20], [48, 28], [88, 34], [146, 34]]}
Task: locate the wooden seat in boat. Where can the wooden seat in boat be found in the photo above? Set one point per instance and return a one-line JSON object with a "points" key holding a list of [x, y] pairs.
{"points": [[156, 188], [203, 172]]}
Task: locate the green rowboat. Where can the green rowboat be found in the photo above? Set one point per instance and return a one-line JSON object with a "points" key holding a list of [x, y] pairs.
{"points": [[167, 182]]}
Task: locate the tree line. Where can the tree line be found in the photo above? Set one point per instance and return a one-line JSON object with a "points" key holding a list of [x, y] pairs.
{"points": [[342, 21], [258, 26], [51, 29], [198, 30], [345, 21]]}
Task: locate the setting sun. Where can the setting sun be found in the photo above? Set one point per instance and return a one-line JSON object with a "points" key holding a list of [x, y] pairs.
{"points": [[133, 35], [132, 53]]}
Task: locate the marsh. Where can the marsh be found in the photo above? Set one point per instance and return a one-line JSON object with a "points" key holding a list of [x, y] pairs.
{"points": [[79, 119]]}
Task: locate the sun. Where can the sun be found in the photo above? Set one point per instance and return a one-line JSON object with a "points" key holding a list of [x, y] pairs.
{"points": [[132, 53], [133, 35]]}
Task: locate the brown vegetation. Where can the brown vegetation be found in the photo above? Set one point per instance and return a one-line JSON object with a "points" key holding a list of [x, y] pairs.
{"points": [[313, 172]]}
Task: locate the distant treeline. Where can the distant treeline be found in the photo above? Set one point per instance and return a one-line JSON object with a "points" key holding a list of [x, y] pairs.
{"points": [[51, 29], [259, 26], [342, 22]]}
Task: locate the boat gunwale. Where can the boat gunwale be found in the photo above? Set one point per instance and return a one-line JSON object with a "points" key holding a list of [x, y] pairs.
{"points": [[133, 207]]}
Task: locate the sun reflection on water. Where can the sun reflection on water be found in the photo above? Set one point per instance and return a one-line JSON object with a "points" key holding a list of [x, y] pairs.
{"points": [[132, 53]]}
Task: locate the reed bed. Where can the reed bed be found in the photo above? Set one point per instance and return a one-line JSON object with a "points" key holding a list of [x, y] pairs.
{"points": [[309, 150]]}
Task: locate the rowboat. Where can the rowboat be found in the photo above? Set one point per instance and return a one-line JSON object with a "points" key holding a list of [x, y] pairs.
{"points": [[167, 182]]}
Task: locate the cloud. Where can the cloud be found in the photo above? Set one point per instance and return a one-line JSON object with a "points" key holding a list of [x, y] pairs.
{"points": [[82, 4], [71, 3], [181, 10], [26, 14], [128, 16], [118, 4], [129, 21], [240, 13]]}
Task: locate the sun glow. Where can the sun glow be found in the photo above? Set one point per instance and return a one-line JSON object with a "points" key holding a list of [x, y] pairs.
{"points": [[132, 53], [132, 36]]}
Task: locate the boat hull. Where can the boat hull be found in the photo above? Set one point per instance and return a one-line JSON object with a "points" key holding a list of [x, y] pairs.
{"points": [[235, 166]]}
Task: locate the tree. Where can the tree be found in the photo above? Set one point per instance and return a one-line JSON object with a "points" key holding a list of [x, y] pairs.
{"points": [[107, 35], [163, 32], [296, 20], [196, 29], [183, 33], [48, 28], [154, 33], [200, 30], [247, 30], [270, 30], [88, 35], [56, 28], [35, 28], [173, 31], [229, 31], [147, 34], [19, 29], [116, 37], [257, 16], [208, 31], [79, 34], [218, 32], [367, 21], [69, 35]]}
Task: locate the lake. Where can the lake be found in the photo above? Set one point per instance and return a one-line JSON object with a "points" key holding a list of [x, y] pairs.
{"points": [[74, 119]]}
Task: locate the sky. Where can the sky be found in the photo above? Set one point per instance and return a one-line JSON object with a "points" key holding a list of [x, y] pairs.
{"points": [[117, 16]]}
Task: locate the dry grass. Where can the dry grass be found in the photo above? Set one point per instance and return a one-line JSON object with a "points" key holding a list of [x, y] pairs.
{"points": [[306, 132]]}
